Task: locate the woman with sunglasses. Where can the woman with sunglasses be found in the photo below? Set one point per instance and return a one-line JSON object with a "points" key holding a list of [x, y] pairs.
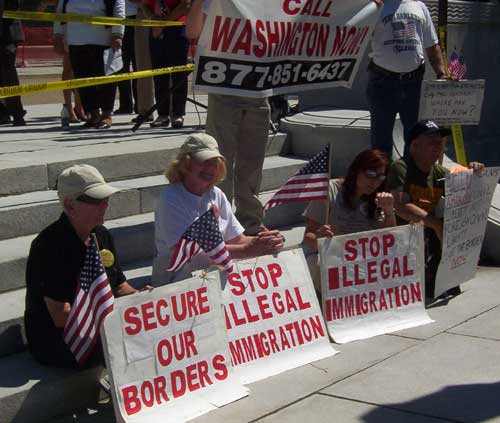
{"points": [[358, 203]]}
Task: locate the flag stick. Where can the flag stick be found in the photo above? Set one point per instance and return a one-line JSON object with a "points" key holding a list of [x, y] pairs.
{"points": [[328, 200]]}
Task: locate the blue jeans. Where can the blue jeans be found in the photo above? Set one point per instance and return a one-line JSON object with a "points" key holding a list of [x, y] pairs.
{"points": [[388, 96]]}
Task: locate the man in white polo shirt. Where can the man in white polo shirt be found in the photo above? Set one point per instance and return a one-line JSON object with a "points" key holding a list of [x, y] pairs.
{"points": [[402, 37]]}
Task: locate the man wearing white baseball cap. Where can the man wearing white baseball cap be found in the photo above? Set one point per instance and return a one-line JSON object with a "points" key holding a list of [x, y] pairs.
{"points": [[56, 258]]}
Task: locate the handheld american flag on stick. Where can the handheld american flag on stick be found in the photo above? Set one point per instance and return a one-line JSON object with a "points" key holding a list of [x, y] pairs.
{"points": [[202, 235], [457, 66], [93, 302], [309, 183]]}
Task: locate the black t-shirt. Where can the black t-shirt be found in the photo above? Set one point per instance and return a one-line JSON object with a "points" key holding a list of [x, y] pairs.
{"points": [[54, 263]]}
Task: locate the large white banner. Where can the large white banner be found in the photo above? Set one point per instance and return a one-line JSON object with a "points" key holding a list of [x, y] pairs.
{"points": [[467, 205], [273, 317], [452, 102], [259, 48], [167, 354], [373, 282]]}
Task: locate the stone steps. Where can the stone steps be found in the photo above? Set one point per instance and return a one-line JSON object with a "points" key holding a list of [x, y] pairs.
{"points": [[133, 236], [29, 213]]}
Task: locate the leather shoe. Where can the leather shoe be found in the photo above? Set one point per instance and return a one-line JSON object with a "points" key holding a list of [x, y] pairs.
{"points": [[121, 111], [148, 119]]}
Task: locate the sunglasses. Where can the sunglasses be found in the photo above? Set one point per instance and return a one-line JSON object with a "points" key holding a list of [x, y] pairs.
{"points": [[371, 174], [89, 200]]}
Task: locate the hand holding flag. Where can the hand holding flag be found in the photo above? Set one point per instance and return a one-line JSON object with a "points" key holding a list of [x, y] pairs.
{"points": [[203, 235], [309, 183], [93, 302]]}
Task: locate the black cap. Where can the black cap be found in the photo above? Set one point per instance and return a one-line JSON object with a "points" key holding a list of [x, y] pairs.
{"points": [[427, 127]]}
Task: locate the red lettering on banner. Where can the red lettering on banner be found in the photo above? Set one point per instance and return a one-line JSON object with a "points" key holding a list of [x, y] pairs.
{"points": [[371, 296], [237, 287], [284, 340], [277, 303], [160, 384], [275, 272], [191, 377], [190, 304], [180, 346], [147, 393], [249, 316], [406, 269], [223, 35], [147, 314], [162, 319], [260, 35], [383, 304], [262, 302], [130, 400], [272, 341], [357, 279], [178, 383], [244, 40], [219, 364], [130, 317], [311, 7], [348, 40], [351, 253], [263, 344], [371, 270], [288, 9], [416, 294]]}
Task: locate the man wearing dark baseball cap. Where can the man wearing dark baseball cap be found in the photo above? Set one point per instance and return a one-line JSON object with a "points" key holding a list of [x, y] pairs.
{"points": [[417, 183], [56, 259]]}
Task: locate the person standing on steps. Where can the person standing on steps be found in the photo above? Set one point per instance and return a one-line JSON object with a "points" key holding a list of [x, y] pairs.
{"points": [[402, 37]]}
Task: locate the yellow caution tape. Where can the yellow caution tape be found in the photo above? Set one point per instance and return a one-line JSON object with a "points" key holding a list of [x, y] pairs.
{"points": [[76, 17], [86, 82]]}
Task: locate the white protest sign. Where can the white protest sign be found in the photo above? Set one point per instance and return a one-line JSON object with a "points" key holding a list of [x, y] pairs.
{"points": [[260, 48], [452, 102], [167, 353], [373, 282], [273, 317], [467, 204]]}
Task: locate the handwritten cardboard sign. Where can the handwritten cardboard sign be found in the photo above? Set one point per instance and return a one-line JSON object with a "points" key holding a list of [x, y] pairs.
{"points": [[467, 204], [452, 102]]}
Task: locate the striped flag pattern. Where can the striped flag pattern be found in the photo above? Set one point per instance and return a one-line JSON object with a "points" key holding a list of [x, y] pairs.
{"points": [[93, 302], [457, 66], [202, 236], [309, 183]]}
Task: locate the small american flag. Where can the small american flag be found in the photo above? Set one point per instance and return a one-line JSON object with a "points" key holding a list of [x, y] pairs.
{"points": [[93, 302], [404, 30], [457, 66], [203, 235], [309, 183]]}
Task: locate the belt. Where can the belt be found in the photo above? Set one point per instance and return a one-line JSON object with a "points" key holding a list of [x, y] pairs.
{"points": [[415, 74]]}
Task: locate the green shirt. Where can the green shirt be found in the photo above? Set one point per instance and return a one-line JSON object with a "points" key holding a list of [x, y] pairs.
{"points": [[425, 190]]}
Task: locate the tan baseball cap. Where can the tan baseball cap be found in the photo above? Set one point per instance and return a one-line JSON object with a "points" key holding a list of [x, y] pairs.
{"points": [[83, 179], [201, 147]]}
